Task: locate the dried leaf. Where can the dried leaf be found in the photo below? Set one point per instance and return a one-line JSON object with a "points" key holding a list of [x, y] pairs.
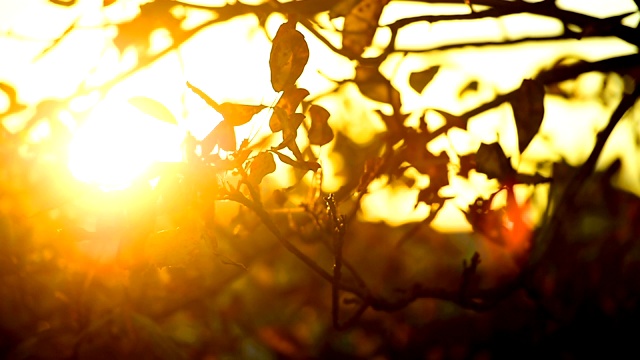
{"points": [[238, 114], [153, 108], [342, 8], [375, 86], [287, 105], [320, 132], [528, 111], [289, 55], [262, 165], [491, 160], [290, 128], [153, 15], [222, 135], [304, 165], [419, 80], [360, 26], [204, 97]]}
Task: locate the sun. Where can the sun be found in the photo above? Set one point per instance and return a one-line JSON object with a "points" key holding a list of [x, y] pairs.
{"points": [[118, 142]]}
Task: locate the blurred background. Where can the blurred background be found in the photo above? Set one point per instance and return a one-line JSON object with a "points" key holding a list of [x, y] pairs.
{"points": [[105, 257]]}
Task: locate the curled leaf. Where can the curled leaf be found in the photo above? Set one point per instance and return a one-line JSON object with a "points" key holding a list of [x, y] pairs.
{"points": [[528, 111], [420, 79], [320, 132], [360, 25], [153, 108], [289, 56], [262, 165]]}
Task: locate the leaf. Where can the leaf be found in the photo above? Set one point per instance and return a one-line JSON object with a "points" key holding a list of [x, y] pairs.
{"points": [[528, 111], [491, 160], [262, 165], [320, 132], [360, 26], [222, 135], [342, 8], [238, 114], [373, 85], [420, 80], [106, 3], [137, 31], [204, 97], [290, 128], [287, 105], [153, 108], [288, 57], [304, 165]]}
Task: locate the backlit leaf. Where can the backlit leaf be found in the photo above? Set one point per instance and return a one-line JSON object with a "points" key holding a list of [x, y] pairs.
{"points": [[528, 111], [342, 8], [153, 108], [238, 114], [419, 80], [204, 97], [288, 103], [222, 135], [491, 160], [289, 55], [262, 165], [360, 25], [304, 165], [375, 86], [320, 132]]}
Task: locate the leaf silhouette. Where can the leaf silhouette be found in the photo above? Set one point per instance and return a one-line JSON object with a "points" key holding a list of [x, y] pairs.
{"points": [[289, 55], [204, 97], [304, 165], [153, 15], [153, 108], [491, 160], [375, 86], [238, 114], [360, 26], [222, 135], [342, 8], [528, 111], [287, 104], [320, 132], [419, 80], [262, 165]]}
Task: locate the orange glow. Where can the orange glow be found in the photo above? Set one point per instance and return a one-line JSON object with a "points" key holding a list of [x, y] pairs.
{"points": [[118, 143]]}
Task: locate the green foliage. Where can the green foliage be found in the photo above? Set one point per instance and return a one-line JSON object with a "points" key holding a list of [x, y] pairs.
{"points": [[240, 250]]}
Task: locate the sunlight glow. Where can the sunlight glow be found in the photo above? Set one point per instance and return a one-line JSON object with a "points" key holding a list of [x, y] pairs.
{"points": [[118, 143]]}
